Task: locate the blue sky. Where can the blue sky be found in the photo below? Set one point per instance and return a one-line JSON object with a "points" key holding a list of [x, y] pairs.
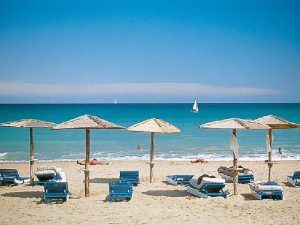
{"points": [[149, 51]]}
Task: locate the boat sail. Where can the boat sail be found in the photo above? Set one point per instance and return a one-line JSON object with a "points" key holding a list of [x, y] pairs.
{"points": [[195, 106], [115, 101]]}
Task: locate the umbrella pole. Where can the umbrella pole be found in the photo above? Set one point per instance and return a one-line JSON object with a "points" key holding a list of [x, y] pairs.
{"points": [[31, 157], [151, 156], [235, 180], [87, 163], [270, 163]]}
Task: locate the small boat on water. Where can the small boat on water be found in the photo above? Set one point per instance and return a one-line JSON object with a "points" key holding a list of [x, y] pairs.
{"points": [[195, 106], [115, 101]]}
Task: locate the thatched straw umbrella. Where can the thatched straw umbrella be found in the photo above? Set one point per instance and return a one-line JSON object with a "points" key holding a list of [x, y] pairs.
{"points": [[153, 125], [234, 124], [274, 122], [87, 122], [30, 123]]}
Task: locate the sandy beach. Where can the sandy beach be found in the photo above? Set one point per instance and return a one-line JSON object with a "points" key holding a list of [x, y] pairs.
{"points": [[153, 203]]}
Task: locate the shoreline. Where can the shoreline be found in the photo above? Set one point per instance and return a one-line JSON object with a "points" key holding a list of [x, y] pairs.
{"points": [[145, 160]]}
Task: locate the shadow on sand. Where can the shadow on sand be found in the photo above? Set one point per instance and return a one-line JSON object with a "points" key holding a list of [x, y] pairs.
{"points": [[106, 199], [287, 184], [102, 180], [24, 194], [167, 183], [168, 193], [248, 197]]}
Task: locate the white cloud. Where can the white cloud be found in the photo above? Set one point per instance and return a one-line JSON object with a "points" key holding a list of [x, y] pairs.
{"points": [[16, 89]]}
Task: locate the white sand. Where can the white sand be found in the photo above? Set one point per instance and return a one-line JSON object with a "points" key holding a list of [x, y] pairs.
{"points": [[156, 203]]}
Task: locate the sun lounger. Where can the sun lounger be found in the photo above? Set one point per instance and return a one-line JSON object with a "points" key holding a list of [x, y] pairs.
{"points": [[245, 175], [130, 177], [294, 180], [209, 187], [11, 176], [266, 190], [120, 191], [56, 190], [245, 178], [179, 179], [242, 178], [49, 173]]}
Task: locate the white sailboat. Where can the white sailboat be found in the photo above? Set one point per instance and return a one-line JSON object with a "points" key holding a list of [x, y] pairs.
{"points": [[115, 101], [195, 106]]}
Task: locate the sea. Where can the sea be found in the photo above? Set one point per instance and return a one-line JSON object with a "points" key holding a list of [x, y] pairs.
{"points": [[191, 143]]}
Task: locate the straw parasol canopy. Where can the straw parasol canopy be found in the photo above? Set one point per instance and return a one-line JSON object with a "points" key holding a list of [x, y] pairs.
{"points": [[30, 123], [274, 122], [234, 124], [87, 122], [153, 125]]}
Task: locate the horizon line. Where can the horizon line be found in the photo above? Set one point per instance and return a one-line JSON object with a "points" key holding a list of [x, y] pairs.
{"points": [[120, 103]]}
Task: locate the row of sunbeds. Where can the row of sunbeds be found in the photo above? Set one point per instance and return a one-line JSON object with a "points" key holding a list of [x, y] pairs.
{"points": [[207, 187], [56, 186], [51, 177], [213, 186]]}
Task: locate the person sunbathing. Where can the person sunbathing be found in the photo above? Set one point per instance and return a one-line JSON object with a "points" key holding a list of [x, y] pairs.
{"points": [[200, 160], [92, 162], [204, 175], [230, 171]]}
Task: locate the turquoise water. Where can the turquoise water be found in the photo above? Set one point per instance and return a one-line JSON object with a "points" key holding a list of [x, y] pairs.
{"points": [[191, 143]]}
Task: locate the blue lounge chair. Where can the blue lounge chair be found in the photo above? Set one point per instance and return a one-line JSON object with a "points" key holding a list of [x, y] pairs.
{"points": [[179, 179], [120, 191], [49, 173], [242, 178], [266, 190], [11, 176], [209, 187], [245, 175], [245, 178], [213, 190], [131, 177], [294, 180], [56, 190]]}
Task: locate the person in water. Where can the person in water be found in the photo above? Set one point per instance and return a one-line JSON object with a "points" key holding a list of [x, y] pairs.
{"points": [[92, 162], [280, 153]]}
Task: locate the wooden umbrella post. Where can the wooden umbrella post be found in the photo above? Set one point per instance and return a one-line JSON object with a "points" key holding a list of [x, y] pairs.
{"points": [[270, 163], [31, 157], [235, 173], [151, 156], [87, 163]]}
